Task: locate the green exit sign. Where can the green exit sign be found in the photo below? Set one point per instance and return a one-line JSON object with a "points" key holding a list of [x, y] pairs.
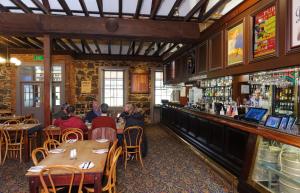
{"points": [[38, 58]]}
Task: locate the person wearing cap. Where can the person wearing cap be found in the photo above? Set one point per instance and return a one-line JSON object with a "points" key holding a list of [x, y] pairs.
{"points": [[62, 113]]}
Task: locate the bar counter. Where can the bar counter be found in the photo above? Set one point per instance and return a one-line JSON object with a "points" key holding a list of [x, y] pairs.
{"points": [[231, 143]]}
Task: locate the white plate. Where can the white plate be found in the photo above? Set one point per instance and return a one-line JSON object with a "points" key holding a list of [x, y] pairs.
{"points": [[84, 165], [100, 151], [71, 140], [57, 150], [35, 168], [102, 140]]}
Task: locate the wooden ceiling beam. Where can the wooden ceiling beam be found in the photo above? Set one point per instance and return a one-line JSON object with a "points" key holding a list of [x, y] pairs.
{"points": [[41, 6], [73, 45], [163, 54], [26, 41], [23, 42], [212, 10], [57, 46], [139, 48], [86, 45], [121, 47], [138, 9], [192, 12], [202, 10], [46, 4], [154, 8], [97, 46], [36, 51], [36, 41], [120, 8], [100, 7], [94, 28], [3, 9], [84, 9], [9, 42], [65, 7], [116, 57], [64, 45], [174, 7], [130, 48], [160, 48], [22, 6], [147, 51]]}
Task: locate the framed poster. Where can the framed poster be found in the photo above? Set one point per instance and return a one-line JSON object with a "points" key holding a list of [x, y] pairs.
{"points": [[264, 32], [295, 26], [235, 44], [139, 83], [86, 86]]}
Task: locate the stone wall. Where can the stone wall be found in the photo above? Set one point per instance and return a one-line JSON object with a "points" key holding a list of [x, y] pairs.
{"points": [[8, 87], [89, 70]]}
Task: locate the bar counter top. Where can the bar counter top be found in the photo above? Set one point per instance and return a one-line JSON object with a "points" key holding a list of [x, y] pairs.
{"points": [[258, 129]]}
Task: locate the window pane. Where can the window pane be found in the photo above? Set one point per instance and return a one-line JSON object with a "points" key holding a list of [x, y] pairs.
{"points": [[113, 87]]}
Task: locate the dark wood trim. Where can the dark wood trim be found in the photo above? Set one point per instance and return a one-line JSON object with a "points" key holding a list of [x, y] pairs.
{"points": [[139, 48], [46, 4], [97, 46], [116, 57], [109, 47], [86, 45], [26, 44], [138, 9], [47, 79], [160, 48], [121, 47], [84, 9], [36, 41], [41, 7], [64, 45], [206, 44], [149, 48], [211, 54], [202, 10], [65, 7], [175, 5], [3, 9], [289, 48], [243, 21], [130, 48], [192, 12], [100, 7], [163, 54], [31, 43], [10, 42], [22, 6], [94, 28], [120, 8]]}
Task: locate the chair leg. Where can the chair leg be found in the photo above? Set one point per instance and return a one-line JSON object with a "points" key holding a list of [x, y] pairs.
{"points": [[126, 155], [140, 157], [20, 154], [4, 158]]}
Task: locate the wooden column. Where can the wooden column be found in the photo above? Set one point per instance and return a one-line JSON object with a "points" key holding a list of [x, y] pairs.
{"points": [[47, 79]]}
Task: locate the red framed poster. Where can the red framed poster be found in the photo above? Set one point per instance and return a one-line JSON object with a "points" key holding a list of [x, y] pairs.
{"points": [[265, 32]]}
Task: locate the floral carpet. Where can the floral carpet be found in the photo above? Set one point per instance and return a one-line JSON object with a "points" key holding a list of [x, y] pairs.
{"points": [[169, 167]]}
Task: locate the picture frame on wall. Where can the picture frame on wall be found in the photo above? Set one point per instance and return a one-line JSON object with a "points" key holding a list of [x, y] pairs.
{"points": [[295, 23], [235, 44], [264, 32], [139, 83]]}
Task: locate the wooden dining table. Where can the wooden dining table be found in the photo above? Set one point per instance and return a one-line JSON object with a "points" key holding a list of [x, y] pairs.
{"points": [[26, 129], [14, 117], [84, 154]]}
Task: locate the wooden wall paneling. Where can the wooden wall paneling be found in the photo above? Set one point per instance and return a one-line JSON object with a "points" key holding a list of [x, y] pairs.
{"points": [[47, 79], [216, 51], [203, 57]]}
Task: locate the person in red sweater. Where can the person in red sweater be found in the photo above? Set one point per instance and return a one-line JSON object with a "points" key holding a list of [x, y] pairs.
{"points": [[70, 121], [104, 120]]}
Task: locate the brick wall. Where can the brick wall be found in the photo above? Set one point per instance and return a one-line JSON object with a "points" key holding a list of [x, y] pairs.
{"points": [[8, 87]]}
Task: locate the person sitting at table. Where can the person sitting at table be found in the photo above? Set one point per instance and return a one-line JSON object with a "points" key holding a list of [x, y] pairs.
{"points": [[70, 120], [61, 113], [95, 112], [106, 124], [134, 117]]}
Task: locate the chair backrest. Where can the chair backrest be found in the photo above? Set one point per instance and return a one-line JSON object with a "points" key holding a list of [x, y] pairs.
{"points": [[110, 156], [104, 133], [132, 136], [52, 132], [31, 121], [112, 177], [51, 144], [38, 155], [47, 180], [3, 143], [72, 133], [28, 116], [12, 121], [14, 134]]}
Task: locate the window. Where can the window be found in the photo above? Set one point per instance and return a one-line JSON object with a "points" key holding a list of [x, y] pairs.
{"points": [[114, 87], [57, 95], [161, 91], [32, 95], [36, 73]]}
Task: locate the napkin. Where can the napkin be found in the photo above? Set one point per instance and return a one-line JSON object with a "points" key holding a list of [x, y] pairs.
{"points": [[71, 140], [102, 140], [100, 151], [57, 150], [86, 165], [35, 168]]}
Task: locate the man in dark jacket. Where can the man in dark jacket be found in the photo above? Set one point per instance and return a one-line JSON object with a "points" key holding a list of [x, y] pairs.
{"points": [[95, 112]]}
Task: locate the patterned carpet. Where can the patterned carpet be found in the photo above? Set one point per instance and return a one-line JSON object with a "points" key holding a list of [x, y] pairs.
{"points": [[170, 167]]}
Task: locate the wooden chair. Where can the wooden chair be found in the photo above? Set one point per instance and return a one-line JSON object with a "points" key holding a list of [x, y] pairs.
{"points": [[40, 151], [3, 143], [103, 133], [110, 186], [32, 137], [110, 157], [72, 133], [11, 122], [46, 173], [132, 140], [52, 132], [14, 136], [51, 144]]}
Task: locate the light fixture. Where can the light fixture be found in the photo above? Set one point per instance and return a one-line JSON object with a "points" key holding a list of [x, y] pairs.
{"points": [[8, 61]]}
